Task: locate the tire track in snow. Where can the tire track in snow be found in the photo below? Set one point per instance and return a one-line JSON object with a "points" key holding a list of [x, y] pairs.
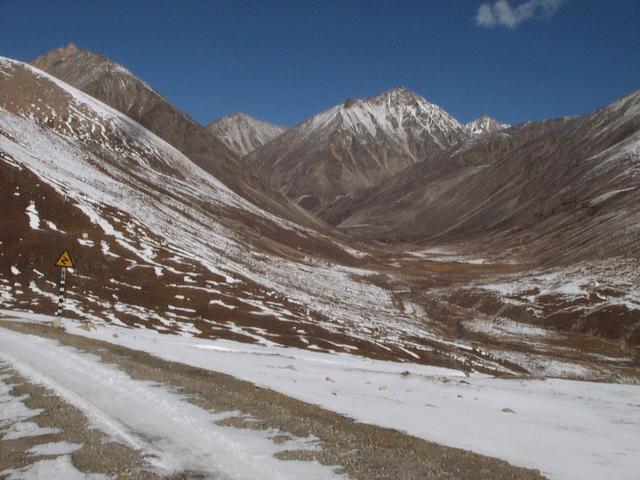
{"points": [[174, 434]]}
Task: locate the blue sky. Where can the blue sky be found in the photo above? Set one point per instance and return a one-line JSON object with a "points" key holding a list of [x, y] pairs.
{"points": [[284, 61]]}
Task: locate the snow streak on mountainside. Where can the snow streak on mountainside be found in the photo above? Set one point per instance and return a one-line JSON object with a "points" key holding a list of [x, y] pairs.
{"points": [[243, 133], [116, 86], [354, 145], [485, 124]]}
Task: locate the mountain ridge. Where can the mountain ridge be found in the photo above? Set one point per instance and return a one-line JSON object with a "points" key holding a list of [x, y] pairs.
{"points": [[117, 87], [162, 244]]}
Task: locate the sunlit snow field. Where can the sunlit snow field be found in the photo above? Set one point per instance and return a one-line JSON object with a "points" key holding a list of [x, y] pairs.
{"points": [[567, 429]]}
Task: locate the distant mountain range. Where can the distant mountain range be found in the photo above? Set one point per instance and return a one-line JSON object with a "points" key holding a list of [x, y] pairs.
{"points": [[399, 168], [382, 226]]}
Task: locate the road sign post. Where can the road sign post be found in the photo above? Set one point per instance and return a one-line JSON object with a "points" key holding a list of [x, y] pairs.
{"points": [[63, 263]]}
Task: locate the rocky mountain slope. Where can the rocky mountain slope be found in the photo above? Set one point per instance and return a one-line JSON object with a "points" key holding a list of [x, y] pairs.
{"points": [[562, 196], [484, 124], [243, 133], [565, 189], [355, 145], [116, 86]]}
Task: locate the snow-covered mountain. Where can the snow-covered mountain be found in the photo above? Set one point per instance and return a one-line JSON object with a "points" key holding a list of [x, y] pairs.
{"points": [[553, 193], [242, 133], [507, 274], [356, 144], [565, 188], [485, 124], [160, 243]]}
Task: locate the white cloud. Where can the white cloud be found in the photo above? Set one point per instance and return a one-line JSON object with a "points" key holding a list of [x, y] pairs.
{"points": [[501, 13]]}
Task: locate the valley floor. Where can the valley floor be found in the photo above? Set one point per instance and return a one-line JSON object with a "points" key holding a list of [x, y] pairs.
{"points": [[130, 403]]}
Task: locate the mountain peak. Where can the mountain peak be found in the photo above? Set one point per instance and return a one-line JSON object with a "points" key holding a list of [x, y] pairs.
{"points": [[69, 49], [485, 124], [63, 53], [239, 115], [349, 102], [398, 91], [243, 133], [80, 68], [397, 94], [395, 109]]}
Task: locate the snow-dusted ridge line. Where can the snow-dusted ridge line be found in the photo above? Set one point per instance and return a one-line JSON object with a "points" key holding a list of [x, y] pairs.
{"points": [[108, 114], [385, 112], [485, 124], [354, 145]]}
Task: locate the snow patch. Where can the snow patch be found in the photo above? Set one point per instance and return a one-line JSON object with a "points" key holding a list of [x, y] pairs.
{"points": [[60, 468], [54, 448], [32, 213]]}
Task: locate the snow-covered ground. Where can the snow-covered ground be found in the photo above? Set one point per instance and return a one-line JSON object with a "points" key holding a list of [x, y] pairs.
{"points": [[447, 256], [146, 417], [14, 424], [567, 429], [58, 468], [579, 281]]}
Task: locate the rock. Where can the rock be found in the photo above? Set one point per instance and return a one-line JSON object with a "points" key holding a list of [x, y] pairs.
{"points": [[88, 326]]}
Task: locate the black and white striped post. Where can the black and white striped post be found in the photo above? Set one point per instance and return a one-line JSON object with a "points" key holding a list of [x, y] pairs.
{"points": [[63, 262], [63, 276]]}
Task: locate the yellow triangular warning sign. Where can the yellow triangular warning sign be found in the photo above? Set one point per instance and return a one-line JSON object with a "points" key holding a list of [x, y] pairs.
{"points": [[65, 260]]}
